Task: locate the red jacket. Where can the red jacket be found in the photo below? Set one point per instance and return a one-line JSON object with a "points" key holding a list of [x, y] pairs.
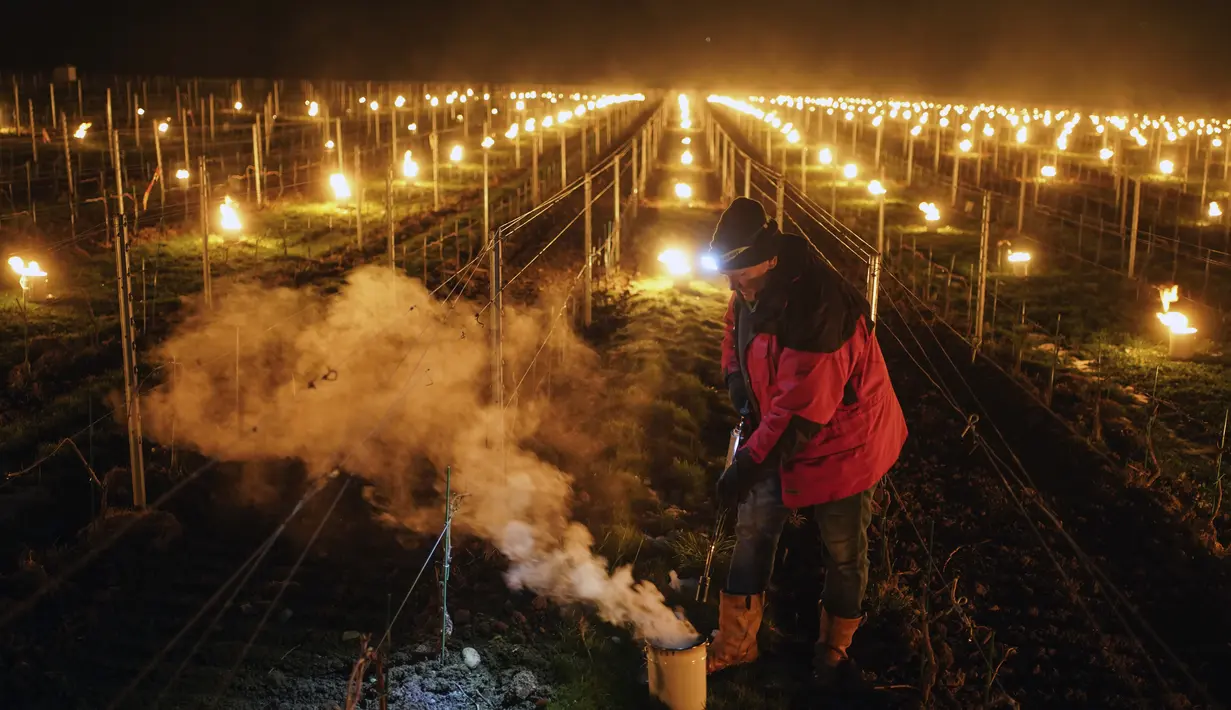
{"points": [[827, 416]]}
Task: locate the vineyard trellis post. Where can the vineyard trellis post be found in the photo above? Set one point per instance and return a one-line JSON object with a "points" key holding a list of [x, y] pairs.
{"points": [[124, 297], [615, 256], [984, 233], [494, 243], [588, 249], [1132, 239]]}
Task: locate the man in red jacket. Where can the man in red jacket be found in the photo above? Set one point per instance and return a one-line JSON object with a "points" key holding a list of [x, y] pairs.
{"points": [[802, 361]]}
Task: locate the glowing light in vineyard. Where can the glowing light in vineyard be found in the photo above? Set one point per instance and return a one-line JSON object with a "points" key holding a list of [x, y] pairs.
{"points": [[1022, 135], [825, 156], [230, 217], [1019, 257], [329, 145], [683, 190], [341, 189], [455, 154], [1106, 154], [1176, 322], [1048, 171], [487, 143], [25, 271], [849, 171], [1214, 210], [410, 168], [181, 174], [965, 145], [686, 158], [399, 102], [1166, 167], [676, 262], [80, 133], [876, 188], [162, 127], [239, 105], [930, 211], [313, 109]]}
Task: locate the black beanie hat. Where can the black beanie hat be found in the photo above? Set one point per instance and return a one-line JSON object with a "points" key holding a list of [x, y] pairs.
{"points": [[744, 236]]}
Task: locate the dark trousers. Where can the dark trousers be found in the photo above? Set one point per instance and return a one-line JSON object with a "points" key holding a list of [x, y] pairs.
{"points": [[844, 532]]}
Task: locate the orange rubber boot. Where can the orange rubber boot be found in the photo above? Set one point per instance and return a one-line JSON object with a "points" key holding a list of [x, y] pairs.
{"points": [[739, 619], [835, 637]]}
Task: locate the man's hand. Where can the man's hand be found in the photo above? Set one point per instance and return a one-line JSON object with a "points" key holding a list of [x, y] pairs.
{"points": [[738, 392], [735, 483]]}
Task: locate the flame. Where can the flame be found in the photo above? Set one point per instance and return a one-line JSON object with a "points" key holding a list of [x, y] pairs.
{"points": [[683, 190], [930, 211], [25, 271], [399, 102], [329, 145], [230, 218], [876, 188], [313, 109], [239, 105], [162, 127], [825, 156], [1169, 295], [686, 140], [1166, 167], [965, 145], [849, 171], [410, 168], [341, 190], [487, 142], [455, 154], [512, 132], [1019, 257], [676, 261], [1215, 210], [686, 157], [1106, 154], [1048, 171], [79, 134], [182, 174], [1176, 322]]}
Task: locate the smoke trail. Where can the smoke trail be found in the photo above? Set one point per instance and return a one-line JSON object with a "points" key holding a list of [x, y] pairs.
{"points": [[377, 379]]}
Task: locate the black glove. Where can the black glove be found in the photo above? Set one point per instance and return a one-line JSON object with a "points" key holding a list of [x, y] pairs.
{"points": [[738, 392], [737, 481]]}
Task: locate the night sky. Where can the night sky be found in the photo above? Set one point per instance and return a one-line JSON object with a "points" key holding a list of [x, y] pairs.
{"points": [[1096, 53]]}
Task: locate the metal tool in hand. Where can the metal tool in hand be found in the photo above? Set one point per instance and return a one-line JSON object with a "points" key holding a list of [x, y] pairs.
{"points": [[703, 584]]}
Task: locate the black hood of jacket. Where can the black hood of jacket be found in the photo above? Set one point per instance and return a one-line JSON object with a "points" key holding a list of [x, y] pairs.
{"points": [[806, 302]]}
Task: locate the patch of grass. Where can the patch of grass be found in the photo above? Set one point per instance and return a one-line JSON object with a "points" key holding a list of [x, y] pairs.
{"points": [[690, 549]]}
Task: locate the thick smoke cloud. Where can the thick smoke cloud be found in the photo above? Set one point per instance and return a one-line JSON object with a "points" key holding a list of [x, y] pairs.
{"points": [[384, 381]]}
